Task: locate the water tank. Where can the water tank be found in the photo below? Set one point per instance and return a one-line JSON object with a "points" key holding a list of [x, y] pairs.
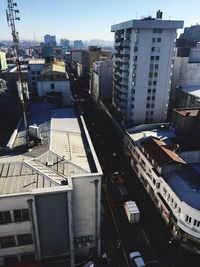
{"points": [[34, 131]]}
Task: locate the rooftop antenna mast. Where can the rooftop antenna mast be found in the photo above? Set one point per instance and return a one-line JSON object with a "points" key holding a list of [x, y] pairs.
{"points": [[12, 16]]}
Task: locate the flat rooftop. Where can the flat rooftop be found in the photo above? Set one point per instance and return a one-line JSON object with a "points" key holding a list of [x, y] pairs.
{"points": [[186, 184], [66, 151], [140, 132], [148, 24], [193, 90]]}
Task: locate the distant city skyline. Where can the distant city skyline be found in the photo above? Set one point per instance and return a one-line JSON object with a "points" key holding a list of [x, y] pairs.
{"points": [[86, 20]]}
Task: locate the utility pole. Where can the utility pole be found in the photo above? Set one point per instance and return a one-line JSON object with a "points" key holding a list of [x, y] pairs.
{"points": [[12, 15]]}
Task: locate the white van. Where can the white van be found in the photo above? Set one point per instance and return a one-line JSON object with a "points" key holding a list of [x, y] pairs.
{"points": [[136, 259]]}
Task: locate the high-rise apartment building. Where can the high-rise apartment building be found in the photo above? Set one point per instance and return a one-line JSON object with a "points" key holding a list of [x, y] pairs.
{"points": [[78, 44], [143, 61], [64, 43], [49, 40]]}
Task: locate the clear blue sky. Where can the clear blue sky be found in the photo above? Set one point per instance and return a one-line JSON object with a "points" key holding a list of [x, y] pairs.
{"points": [[90, 19]]}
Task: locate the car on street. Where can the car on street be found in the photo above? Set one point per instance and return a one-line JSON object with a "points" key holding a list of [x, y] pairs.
{"points": [[136, 259]]}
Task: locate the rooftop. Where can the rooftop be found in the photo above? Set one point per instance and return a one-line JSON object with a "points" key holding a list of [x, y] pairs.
{"points": [[193, 90], [186, 184], [37, 61], [160, 152], [65, 151], [191, 112], [148, 24]]}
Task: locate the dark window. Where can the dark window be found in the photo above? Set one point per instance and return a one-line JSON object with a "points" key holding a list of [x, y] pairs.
{"points": [[52, 86], [153, 97], [38, 72], [158, 40], [24, 239], [154, 90], [27, 258], [157, 57], [152, 49], [155, 74], [147, 105], [152, 57], [153, 40], [9, 261], [135, 58], [152, 105], [150, 74], [33, 72], [156, 66], [135, 49], [149, 82], [159, 31], [5, 217], [154, 82], [148, 97], [21, 215], [7, 241], [151, 112], [33, 78], [149, 90]]}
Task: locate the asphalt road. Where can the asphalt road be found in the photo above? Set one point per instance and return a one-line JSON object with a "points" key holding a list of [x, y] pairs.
{"points": [[154, 242]]}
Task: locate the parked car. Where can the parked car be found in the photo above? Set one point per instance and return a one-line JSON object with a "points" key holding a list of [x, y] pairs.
{"points": [[136, 259], [89, 264]]}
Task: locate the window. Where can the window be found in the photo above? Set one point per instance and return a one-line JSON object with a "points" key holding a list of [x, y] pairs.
{"points": [[21, 215], [157, 57], [188, 219], [154, 82], [149, 82], [152, 105], [159, 31], [156, 66], [10, 260], [149, 90], [152, 57], [151, 112], [150, 74], [154, 90], [153, 40], [148, 97], [7, 242], [135, 49], [152, 49], [147, 105], [52, 86], [24, 239], [157, 49], [195, 222], [159, 40], [27, 258], [155, 74], [153, 98], [135, 58], [33, 72], [38, 72], [5, 217]]}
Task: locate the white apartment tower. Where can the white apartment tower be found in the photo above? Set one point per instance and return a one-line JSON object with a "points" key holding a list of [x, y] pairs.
{"points": [[143, 62]]}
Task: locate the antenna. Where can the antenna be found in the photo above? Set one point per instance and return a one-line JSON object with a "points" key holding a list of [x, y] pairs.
{"points": [[12, 15]]}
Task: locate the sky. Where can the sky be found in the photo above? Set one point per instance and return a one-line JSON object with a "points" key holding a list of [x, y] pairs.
{"points": [[89, 19]]}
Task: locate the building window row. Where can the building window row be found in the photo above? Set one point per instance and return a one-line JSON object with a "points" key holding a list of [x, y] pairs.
{"points": [[149, 91], [18, 215], [155, 49], [12, 241], [158, 40], [155, 57], [157, 30], [170, 200]]}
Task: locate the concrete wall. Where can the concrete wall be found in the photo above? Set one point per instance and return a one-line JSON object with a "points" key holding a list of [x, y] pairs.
{"points": [[44, 87]]}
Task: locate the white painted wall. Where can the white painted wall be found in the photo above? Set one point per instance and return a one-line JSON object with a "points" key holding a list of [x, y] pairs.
{"points": [[60, 86]]}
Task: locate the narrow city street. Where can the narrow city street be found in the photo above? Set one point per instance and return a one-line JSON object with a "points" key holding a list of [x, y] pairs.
{"points": [[151, 236]]}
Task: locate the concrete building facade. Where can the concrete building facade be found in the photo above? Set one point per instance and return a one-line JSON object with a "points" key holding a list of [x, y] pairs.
{"points": [[50, 196], [143, 61], [50, 40], [166, 159], [102, 74]]}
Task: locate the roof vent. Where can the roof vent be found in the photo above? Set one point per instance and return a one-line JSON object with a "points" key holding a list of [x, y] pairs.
{"points": [[159, 14]]}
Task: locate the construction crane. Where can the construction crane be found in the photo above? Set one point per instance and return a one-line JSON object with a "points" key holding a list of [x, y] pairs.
{"points": [[12, 15]]}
